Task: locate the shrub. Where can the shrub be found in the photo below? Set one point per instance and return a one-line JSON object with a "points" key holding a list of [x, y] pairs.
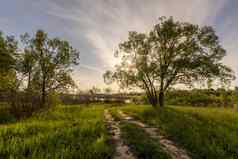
{"points": [[5, 115], [201, 97], [24, 104]]}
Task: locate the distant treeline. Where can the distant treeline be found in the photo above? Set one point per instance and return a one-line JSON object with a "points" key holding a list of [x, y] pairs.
{"points": [[195, 97], [198, 97], [86, 98]]}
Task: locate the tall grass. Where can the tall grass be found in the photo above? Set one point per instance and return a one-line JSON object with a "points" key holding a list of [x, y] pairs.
{"points": [[206, 132], [62, 132]]}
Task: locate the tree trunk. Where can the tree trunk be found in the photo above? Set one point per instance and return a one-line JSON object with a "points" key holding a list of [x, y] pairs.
{"points": [[153, 100], [161, 99], [43, 92], [29, 81]]}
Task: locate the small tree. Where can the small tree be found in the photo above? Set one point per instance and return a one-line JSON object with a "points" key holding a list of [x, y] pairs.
{"points": [[50, 62], [172, 53], [27, 65], [108, 90], [8, 52], [94, 90]]}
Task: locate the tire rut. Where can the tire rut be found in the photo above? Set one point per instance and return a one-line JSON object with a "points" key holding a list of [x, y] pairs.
{"points": [[122, 150], [168, 146]]}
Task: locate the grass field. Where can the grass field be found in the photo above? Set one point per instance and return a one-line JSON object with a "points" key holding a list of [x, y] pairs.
{"points": [[207, 133], [80, 132], [62, 132]]}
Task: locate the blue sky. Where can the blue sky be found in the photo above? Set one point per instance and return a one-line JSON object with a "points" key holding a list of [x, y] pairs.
{"points": [[95, 27]]}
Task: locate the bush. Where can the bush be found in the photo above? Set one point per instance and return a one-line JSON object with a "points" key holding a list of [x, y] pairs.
{"points": [[24, 104], [53, 99], [5, 115], [141, 99], [201, 97]]}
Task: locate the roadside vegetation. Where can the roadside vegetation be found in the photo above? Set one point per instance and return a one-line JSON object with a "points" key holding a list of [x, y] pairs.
{"points": [[205, 132], [61, 132]]}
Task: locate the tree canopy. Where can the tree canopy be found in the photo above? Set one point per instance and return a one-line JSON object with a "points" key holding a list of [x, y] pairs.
{"points": [[48, 62], [171, 53], [8, 49]]}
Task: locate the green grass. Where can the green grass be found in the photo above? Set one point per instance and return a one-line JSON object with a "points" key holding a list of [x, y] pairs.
{"points": [[63, 132], [114, 112], [141, 144], [80, 132], [208, 133]]}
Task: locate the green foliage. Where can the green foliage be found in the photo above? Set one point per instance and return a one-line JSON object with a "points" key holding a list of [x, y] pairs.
{"points": [[49, 62], [173, 52], [5, 115], [8, 48], [61, 132], [205, 132], [202, 97], [141, 144], [196, 97], [141, 99], [27, 66]]}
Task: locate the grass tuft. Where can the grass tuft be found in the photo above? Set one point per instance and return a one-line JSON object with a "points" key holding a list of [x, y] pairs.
{"points": [[141, 144]]}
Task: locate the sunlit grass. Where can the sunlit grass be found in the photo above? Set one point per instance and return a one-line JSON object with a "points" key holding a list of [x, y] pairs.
{"points": [[62, 132], [142, 145], [205, 132]]}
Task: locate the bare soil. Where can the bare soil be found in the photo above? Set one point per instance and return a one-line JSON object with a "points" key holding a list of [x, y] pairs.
{"points": [[122, 150]]}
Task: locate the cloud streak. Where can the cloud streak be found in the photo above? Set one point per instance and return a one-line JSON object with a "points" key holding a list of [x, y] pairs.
{"points": [[97, 27]]}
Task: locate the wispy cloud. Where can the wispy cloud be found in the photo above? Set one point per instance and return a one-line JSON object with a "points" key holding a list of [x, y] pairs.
{"points": [[96, 27], [105, 23], [91, 68]]}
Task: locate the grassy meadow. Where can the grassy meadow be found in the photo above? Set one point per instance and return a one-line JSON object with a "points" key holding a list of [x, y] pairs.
{"points": [[61, 132], [79, 131], [207, 133]]}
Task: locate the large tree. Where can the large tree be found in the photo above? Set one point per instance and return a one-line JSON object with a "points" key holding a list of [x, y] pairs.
{"points": [[48, 63], [171, 53]]}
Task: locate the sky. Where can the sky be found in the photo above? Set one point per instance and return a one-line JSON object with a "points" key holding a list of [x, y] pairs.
{"points": [[96, 27]]}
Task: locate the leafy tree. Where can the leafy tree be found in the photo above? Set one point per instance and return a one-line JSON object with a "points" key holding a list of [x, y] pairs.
{"points": [[8, 48], [172, 53], [49, 62], [27, 62], [8, 51], [94, 90], [27, 66]]}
